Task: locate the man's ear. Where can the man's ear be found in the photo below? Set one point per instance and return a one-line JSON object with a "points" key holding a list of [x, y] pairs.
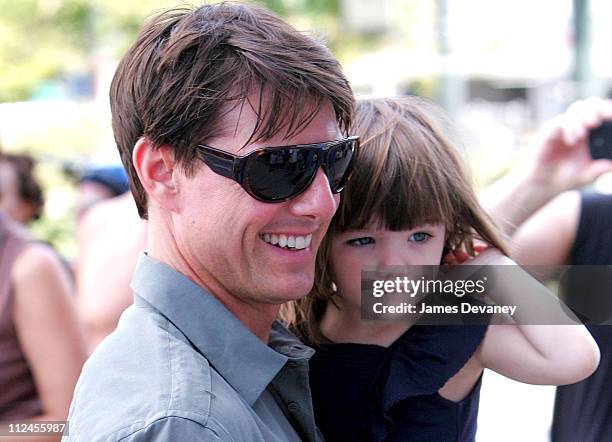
{"points": [[155, 168]]}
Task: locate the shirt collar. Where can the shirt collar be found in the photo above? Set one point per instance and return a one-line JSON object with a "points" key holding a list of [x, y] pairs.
{"points": [[239, 356]]}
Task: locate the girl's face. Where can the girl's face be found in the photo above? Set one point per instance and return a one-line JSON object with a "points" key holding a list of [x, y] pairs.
{"points": [[355, 249]]}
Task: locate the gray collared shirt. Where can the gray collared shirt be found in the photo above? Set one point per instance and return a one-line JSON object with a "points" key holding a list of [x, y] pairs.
{"points": [[181, 367]]}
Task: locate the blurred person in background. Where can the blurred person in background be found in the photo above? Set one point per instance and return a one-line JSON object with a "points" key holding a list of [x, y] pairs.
{"points": [[22, 198], [97, 183], [110, 236], [550, 223], [41, 343]]}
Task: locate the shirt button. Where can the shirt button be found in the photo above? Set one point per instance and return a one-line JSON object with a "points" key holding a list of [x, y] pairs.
{"points": [[293, 407], [292, 364]]}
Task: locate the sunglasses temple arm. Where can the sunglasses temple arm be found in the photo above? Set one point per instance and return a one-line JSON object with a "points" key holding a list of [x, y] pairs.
{"points": [[222, 166]]}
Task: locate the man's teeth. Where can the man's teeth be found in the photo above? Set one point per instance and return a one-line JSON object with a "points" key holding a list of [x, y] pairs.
{"points": [[289, 242]]}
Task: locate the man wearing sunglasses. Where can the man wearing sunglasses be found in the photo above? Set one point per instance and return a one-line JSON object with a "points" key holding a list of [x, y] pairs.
{"points": [[232, 127]]}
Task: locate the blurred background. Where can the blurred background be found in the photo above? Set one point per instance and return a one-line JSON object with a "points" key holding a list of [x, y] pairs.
{"points": [[499, 69]]}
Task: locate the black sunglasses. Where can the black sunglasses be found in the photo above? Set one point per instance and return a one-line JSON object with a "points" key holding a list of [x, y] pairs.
{"points": [[276, 174]]}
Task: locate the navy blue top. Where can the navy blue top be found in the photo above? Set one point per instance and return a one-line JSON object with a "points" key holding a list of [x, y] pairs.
{"points": [[374, 393], [583, 411]]}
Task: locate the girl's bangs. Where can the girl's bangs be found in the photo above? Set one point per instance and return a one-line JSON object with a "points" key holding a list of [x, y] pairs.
{"points": [[400, 182]]}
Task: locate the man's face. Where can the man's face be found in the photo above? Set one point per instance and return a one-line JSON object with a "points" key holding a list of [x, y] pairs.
{"points": [[226, 235]]}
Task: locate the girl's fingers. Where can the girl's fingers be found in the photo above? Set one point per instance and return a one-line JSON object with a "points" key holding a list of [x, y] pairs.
{"points": [[461, 256], [479, 248], [449, 259]]}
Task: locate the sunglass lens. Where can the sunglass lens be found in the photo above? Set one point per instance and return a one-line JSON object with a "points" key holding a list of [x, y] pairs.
{"points": [[279, 174], [340, 157]]}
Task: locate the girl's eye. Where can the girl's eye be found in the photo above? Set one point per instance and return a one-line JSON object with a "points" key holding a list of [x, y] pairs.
{"points": [[360, 241], [419, 237]]}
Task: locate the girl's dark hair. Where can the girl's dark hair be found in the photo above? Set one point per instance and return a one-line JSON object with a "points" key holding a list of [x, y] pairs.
{"points": [[408, 173]]}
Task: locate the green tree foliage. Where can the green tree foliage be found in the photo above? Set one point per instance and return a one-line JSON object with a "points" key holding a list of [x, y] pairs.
{"points": [[46, 39]]}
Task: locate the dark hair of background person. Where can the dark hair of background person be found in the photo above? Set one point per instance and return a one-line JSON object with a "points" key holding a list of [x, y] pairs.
{"points": [[30, 191], [189, 67]]}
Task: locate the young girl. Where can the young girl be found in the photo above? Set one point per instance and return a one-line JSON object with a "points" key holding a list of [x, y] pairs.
{"points": [[410, 202]]}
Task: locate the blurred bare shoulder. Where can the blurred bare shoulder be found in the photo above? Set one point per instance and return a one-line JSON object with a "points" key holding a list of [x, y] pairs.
{"points": [[37, 259], [110, 237]]}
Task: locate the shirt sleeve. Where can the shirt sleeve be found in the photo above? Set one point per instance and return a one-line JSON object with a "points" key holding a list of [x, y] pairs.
{"points": [[171, 429], [594, 233]]}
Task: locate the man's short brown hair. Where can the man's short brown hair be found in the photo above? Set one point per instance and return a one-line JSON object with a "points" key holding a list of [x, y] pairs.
{"points": [[188, 67]]}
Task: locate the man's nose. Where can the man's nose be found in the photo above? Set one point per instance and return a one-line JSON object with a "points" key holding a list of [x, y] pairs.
{"points": [[317, 201]]}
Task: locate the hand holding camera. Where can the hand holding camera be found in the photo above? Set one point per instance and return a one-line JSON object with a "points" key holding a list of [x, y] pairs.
{"points": [[576, 147]]}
